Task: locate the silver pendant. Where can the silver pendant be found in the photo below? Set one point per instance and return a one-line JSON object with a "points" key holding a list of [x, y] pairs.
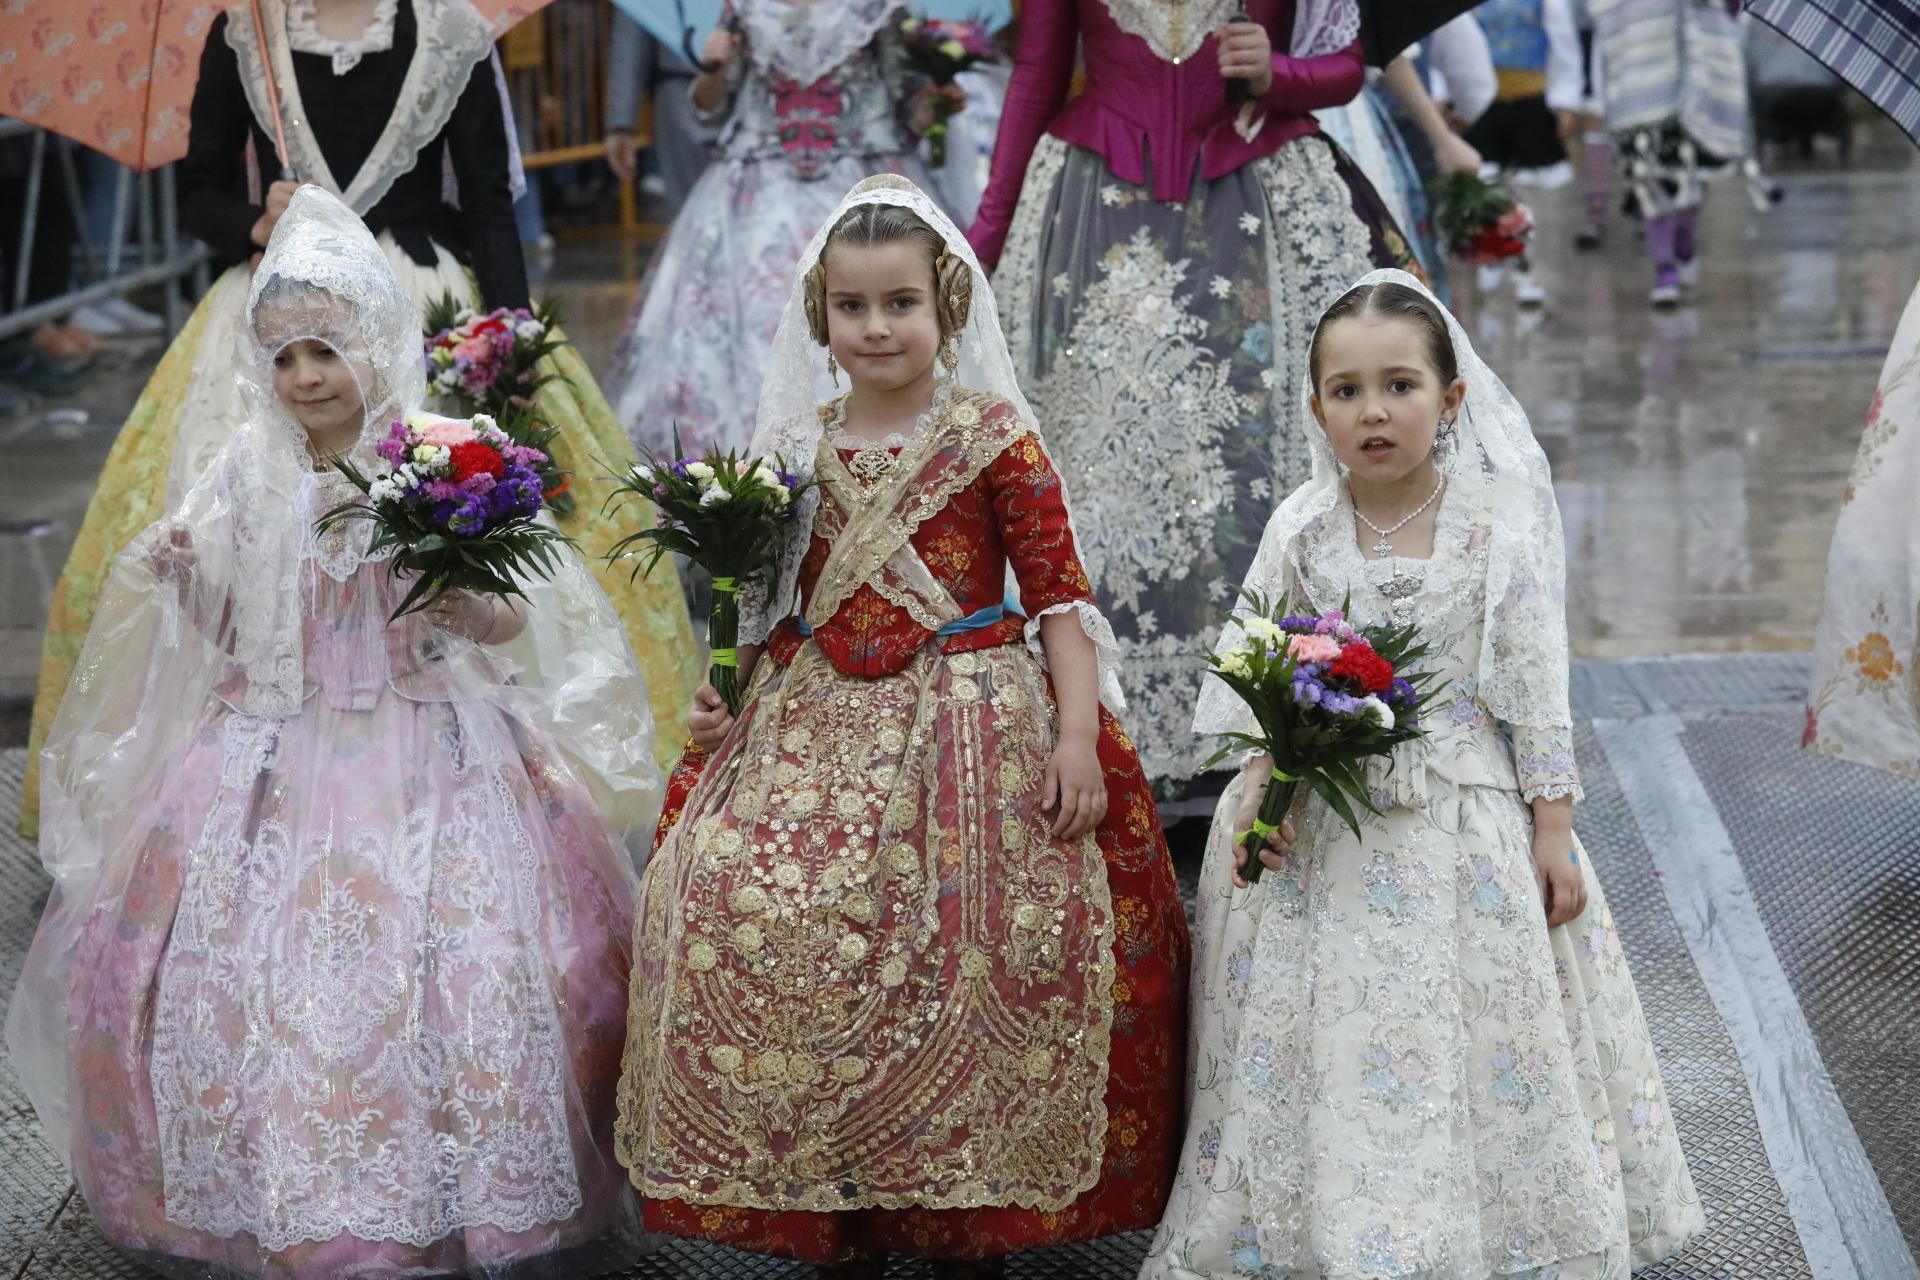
{"points": [[1383, 548]]}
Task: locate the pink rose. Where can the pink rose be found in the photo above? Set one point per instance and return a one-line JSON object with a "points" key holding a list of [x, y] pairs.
{"points": [[1313, 648]]}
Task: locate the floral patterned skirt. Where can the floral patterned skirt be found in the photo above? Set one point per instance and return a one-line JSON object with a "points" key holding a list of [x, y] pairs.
{"points": [[766, 902], [350, 1004], [1865, 701], [1163, 346], [1396, 1069]]}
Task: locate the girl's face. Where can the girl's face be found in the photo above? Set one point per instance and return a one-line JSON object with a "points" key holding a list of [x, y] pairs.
{"points": [[1380, 399], [320, 387], [882, 323]]}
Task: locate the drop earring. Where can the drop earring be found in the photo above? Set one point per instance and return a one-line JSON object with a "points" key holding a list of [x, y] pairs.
{"points": [[1443, 444], [833, 368], [950, 357]]}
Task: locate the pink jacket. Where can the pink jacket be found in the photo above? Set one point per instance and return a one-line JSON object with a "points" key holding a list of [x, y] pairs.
{"points": [[1138, 104]]}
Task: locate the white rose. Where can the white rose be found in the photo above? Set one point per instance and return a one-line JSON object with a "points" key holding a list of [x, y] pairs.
{"points": [[424, 454], [1380, 711], [483, 422], [700, 471], [714, 497], [1236, 664], [529, 331]]}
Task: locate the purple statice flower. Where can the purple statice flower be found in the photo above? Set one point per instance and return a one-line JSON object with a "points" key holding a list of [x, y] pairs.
{"points": [[1307, 687], [442, 491], [469, 517], [1328, 623], [394, 447], [1340, 704], [522, 455], [680, 467], [1298, 626], [516, 494], [1399, 693]]}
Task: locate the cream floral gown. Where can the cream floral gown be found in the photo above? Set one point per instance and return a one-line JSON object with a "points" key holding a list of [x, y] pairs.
{"points": [[1395, 1068], [1864, 705]]}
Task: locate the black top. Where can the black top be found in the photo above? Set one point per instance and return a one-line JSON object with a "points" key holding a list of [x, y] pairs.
{"points": [[347, 114]]}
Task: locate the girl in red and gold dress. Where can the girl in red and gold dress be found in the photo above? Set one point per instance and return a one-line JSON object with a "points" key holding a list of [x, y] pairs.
{"points": [[910, 963]]}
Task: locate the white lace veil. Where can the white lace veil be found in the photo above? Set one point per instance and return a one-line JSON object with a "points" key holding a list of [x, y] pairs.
{"points": [[1523, 654], [231, 618], [789, 422]]}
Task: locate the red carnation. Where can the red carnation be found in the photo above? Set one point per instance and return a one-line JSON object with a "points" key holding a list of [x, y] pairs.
{"points": [[1359, 663], [472, 458]]}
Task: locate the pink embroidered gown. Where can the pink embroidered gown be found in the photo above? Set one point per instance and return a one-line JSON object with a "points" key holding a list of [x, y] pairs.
{"points": [[349, 1001]]}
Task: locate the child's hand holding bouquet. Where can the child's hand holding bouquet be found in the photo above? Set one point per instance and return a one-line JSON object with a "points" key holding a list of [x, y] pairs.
{"points": [[1327, 695], [459, 506], [724, 513]]}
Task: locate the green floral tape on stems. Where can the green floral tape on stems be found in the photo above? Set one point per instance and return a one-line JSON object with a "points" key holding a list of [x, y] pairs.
{"points": [[1263, 829], [727, 586], [724, 658]]}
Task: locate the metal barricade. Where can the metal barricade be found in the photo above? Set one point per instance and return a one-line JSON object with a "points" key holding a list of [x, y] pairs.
{"points": [[157, 253]]}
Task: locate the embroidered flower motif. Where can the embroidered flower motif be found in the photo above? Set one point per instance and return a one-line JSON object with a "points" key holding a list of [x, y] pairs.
{"points": [[1875, 658]]}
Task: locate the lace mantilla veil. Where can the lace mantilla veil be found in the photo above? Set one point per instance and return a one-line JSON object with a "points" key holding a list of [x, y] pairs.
{"points": [[160, 645], [789, 422], [1497, 461]]}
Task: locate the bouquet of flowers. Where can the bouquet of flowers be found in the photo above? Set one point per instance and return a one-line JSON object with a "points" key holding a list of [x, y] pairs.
{"points": [[724, 513], [940, 50], [1479, 221], [489, 364], [1327, 695], [458, 505]]}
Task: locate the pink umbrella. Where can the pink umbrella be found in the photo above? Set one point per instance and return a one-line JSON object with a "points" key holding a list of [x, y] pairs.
{"points": [[118, 75]]}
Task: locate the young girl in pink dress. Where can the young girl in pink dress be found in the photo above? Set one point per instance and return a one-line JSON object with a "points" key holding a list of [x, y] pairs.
{"points": [[333, 978]]}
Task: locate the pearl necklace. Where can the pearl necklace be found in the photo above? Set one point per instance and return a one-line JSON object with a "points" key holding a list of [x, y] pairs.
{"points": [[1384, 547]]}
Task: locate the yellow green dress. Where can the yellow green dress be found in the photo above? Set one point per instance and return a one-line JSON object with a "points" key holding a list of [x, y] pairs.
{"points": [[132, 493]]}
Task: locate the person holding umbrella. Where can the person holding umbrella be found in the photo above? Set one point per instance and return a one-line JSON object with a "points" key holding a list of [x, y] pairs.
{"points": [[1164, 242], [395, 106]]}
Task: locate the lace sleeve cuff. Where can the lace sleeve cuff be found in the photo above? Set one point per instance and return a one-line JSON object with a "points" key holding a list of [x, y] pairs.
{"points": [[1106, 648], [1544, 760]]}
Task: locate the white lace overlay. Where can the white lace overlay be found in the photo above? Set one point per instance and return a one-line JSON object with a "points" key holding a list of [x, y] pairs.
{"points": [[1521, 670], [307, 979], [805, 41], [1162, 351], [1175, 29], [304, 34], [1106, 649], [451, 38]]}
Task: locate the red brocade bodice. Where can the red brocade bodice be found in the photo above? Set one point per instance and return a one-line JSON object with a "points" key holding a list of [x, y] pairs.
{"points": [[1011, 513]]}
